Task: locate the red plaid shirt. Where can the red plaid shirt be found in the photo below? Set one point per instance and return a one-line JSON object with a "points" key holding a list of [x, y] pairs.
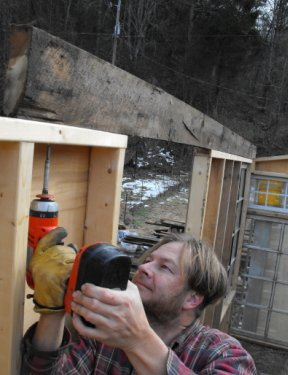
{"points": [[197, 350]]}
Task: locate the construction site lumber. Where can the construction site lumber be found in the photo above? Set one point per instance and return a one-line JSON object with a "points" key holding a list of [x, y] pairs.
{"points": [[48, 79], [85, 177], [140, 240], [173, 225]]}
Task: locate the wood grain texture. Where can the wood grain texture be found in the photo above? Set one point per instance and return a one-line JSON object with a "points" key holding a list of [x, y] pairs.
{"points": [[68, 85], [198, 194], [104, 194], [15, 185]]}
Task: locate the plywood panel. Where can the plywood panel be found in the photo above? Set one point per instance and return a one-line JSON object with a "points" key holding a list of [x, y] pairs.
{"points": [[15, 186]]}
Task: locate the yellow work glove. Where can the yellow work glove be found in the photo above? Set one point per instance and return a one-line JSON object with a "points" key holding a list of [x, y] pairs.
{"points": [[50, 267]]}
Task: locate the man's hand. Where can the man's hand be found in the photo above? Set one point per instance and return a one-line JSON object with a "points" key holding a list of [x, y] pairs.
{"points": [[51, 266], [120, 321], [118, 316]]}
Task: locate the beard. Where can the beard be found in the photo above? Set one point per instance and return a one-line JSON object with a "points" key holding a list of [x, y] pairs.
{"points": [[166, 310]]}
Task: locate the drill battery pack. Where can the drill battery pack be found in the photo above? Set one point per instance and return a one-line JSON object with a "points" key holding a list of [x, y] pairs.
{"points": [[101, 264]]}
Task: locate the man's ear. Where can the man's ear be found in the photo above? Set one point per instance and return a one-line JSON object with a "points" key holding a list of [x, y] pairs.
{"points": [[192, 300]]}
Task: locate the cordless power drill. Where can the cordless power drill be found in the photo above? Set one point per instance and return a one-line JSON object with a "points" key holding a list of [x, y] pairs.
{"points": [[43, 216], [101, 264]]}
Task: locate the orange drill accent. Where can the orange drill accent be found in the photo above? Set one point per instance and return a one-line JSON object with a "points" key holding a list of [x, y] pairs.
{"points": [[38, 227], [73, 279]]}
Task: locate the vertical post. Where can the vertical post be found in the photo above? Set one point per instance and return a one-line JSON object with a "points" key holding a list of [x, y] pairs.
{"points": [[198, 194], [16, 161], [116, 32], [104, 195]]}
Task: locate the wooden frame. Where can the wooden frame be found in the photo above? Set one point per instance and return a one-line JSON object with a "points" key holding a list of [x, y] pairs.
{"points": [[86, 175], [211, 213], [272, 331]]}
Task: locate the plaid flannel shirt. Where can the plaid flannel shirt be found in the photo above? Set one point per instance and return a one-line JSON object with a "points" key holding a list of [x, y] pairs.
{"points": [[197, 350]]}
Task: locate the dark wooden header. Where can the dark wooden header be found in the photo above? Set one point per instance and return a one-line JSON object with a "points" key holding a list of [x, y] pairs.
{"points": [[49, 79]]}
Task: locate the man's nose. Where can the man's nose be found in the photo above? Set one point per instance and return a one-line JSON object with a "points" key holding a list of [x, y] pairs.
{"points": [[146, 268]]}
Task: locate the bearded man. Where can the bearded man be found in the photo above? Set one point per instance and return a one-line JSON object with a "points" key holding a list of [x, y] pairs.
{"points": [[151, 328]]}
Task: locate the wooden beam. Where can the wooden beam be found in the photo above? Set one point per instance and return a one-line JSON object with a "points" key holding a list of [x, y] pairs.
{"points": [[43, 132], [269, 174], [223, 155], [52, 80], [15, 185], [273, 165]]}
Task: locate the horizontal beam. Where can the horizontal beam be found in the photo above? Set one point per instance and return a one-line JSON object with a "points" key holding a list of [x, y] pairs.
{"points": [[42, 132], [223, 155], [49, 79]]}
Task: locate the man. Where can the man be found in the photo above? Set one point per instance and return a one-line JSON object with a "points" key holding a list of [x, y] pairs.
{"points": [[151, 328]]}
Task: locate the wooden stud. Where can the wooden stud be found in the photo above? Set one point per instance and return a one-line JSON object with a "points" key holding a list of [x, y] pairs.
{"points": [[221, 230], [213, 201], [198, 194], [104, 193], [15, 186], [212, 215], [231, 214], [223, 212], [242, 225]]}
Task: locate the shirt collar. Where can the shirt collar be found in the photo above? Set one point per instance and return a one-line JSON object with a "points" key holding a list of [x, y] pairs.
{"points": [[190, 330]]}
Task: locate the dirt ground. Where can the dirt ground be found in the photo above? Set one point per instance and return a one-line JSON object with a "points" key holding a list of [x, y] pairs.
{"points": [[170, 205], [173, 205], [269, 361]]}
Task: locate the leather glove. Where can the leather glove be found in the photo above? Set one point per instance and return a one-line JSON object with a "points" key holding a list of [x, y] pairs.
{"points": [[51, 266]]}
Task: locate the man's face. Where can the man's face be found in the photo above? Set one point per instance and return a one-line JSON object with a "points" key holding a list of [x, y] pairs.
{"points": [[161, 284]]}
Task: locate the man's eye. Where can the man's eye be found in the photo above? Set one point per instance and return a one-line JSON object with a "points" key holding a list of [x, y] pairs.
{"points": [[147, 260], [163, 266]]}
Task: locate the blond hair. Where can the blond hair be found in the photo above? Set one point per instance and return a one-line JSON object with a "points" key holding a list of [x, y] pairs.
{"points": [[202, 269]]}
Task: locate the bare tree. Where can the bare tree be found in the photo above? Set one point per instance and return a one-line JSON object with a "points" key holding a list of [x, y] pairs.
{"points": [[139, 17]]}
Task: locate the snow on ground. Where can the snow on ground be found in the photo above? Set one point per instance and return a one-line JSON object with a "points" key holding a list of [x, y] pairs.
{"points": [[164, 157], [137, 191]]}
